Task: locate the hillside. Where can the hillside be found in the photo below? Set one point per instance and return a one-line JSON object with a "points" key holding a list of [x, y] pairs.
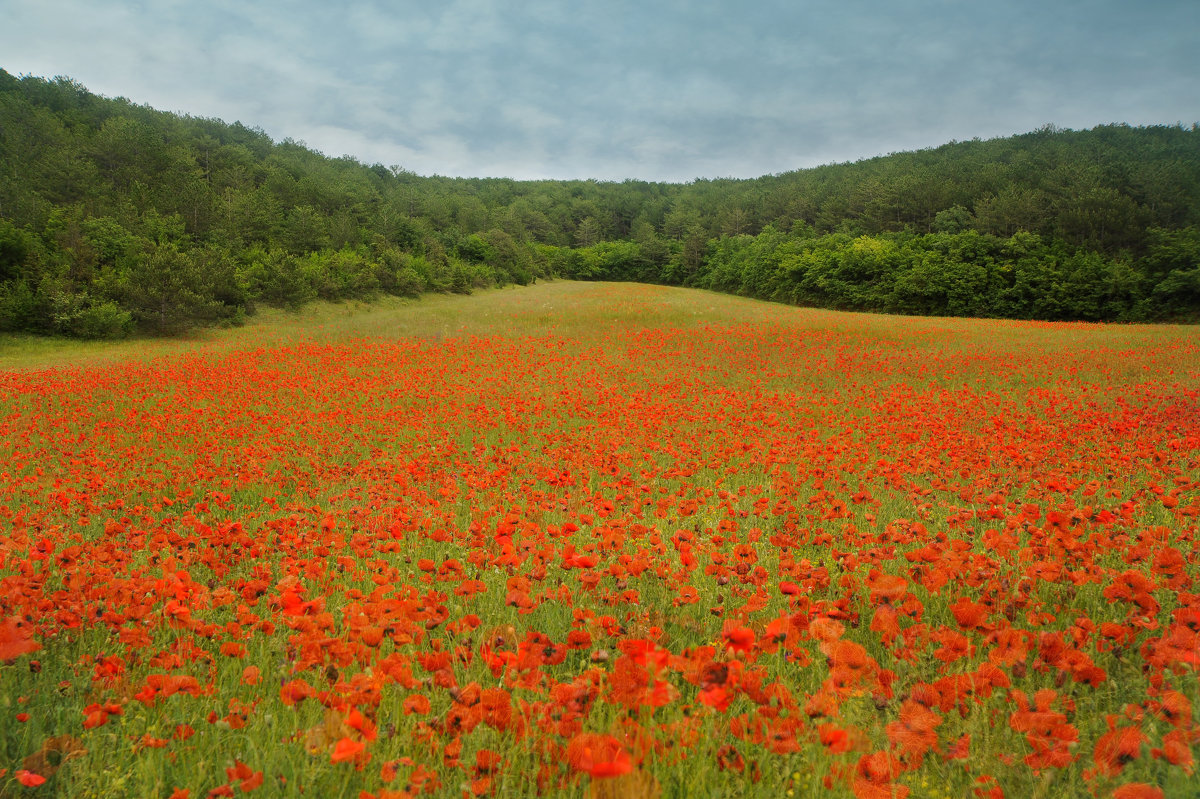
{"points": [[116, 217]]}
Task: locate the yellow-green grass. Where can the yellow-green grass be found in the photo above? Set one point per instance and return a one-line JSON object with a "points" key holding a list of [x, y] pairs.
{"points": [[567, 307]]}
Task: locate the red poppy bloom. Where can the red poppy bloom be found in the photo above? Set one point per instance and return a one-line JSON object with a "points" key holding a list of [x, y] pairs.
{"points": [[16, 639], [29, 779], [598, 755], [874, 777], [346, 749]]}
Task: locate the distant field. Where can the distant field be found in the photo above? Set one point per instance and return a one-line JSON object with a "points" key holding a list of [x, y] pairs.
{"points": [[567, 306], [603, 540]]}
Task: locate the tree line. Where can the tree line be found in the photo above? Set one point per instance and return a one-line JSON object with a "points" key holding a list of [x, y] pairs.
{"points": [[116, 217]]}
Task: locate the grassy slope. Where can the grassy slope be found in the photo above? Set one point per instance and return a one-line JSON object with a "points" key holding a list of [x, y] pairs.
{"points": [[569, 307]]}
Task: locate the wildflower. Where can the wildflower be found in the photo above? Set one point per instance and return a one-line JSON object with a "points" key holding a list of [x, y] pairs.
{"points": [[598, 755]]}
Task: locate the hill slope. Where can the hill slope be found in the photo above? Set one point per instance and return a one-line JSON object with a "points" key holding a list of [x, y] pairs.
{"points": [[115, 216]]}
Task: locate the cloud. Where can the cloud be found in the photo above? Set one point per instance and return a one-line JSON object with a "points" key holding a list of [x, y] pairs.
{"points": [[667, 90]]}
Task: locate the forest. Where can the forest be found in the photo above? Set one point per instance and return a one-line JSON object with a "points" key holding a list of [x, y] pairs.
{"points": [[118, 218]]}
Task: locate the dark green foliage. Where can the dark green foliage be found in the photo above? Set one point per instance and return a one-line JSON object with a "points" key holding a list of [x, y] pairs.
{"points": [[940, 274], [15, 247], [166, 289], [116, 217]]}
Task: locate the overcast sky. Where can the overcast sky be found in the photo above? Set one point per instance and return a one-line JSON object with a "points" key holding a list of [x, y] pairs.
{"points": [[651, 89]]}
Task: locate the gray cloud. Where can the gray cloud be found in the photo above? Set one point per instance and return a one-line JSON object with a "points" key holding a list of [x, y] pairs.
{"points": [[667, 90]]}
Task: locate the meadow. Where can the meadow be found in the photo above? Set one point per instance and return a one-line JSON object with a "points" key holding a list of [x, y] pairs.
{"points": [[602, 540]]}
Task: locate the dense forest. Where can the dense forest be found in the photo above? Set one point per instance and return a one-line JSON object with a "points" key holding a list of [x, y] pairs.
{"points": [[116, 218]]}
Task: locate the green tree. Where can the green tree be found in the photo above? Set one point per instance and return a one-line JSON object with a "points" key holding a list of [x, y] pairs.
{"points": [[588, 233], [166, 290]]}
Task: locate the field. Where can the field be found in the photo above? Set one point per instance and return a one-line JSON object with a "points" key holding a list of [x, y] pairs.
{"points": [[602, 540]]}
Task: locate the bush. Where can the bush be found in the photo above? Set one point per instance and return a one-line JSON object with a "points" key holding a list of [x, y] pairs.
{"points": [[275, 277], [20, 307], [106, 320], [408, 283], [80, 316]]}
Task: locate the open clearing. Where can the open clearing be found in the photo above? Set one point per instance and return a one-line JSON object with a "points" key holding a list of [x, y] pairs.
{"points": [[606, 540]]}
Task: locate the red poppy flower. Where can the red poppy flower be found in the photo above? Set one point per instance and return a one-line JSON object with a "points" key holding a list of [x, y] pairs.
{"points": [[16, 639], [599, 755], [346, 749], [874, 777], [29, 779], [738, 639]]}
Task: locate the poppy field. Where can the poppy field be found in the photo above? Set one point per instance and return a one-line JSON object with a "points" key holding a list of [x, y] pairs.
{"points": [[606, 540]]}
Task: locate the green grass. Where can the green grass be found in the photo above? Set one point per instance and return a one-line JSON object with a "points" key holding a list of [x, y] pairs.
{"points": [[565, 307]]}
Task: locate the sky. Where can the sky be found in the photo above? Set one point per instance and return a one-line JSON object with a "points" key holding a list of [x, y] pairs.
{"points": [[660, 90]]}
